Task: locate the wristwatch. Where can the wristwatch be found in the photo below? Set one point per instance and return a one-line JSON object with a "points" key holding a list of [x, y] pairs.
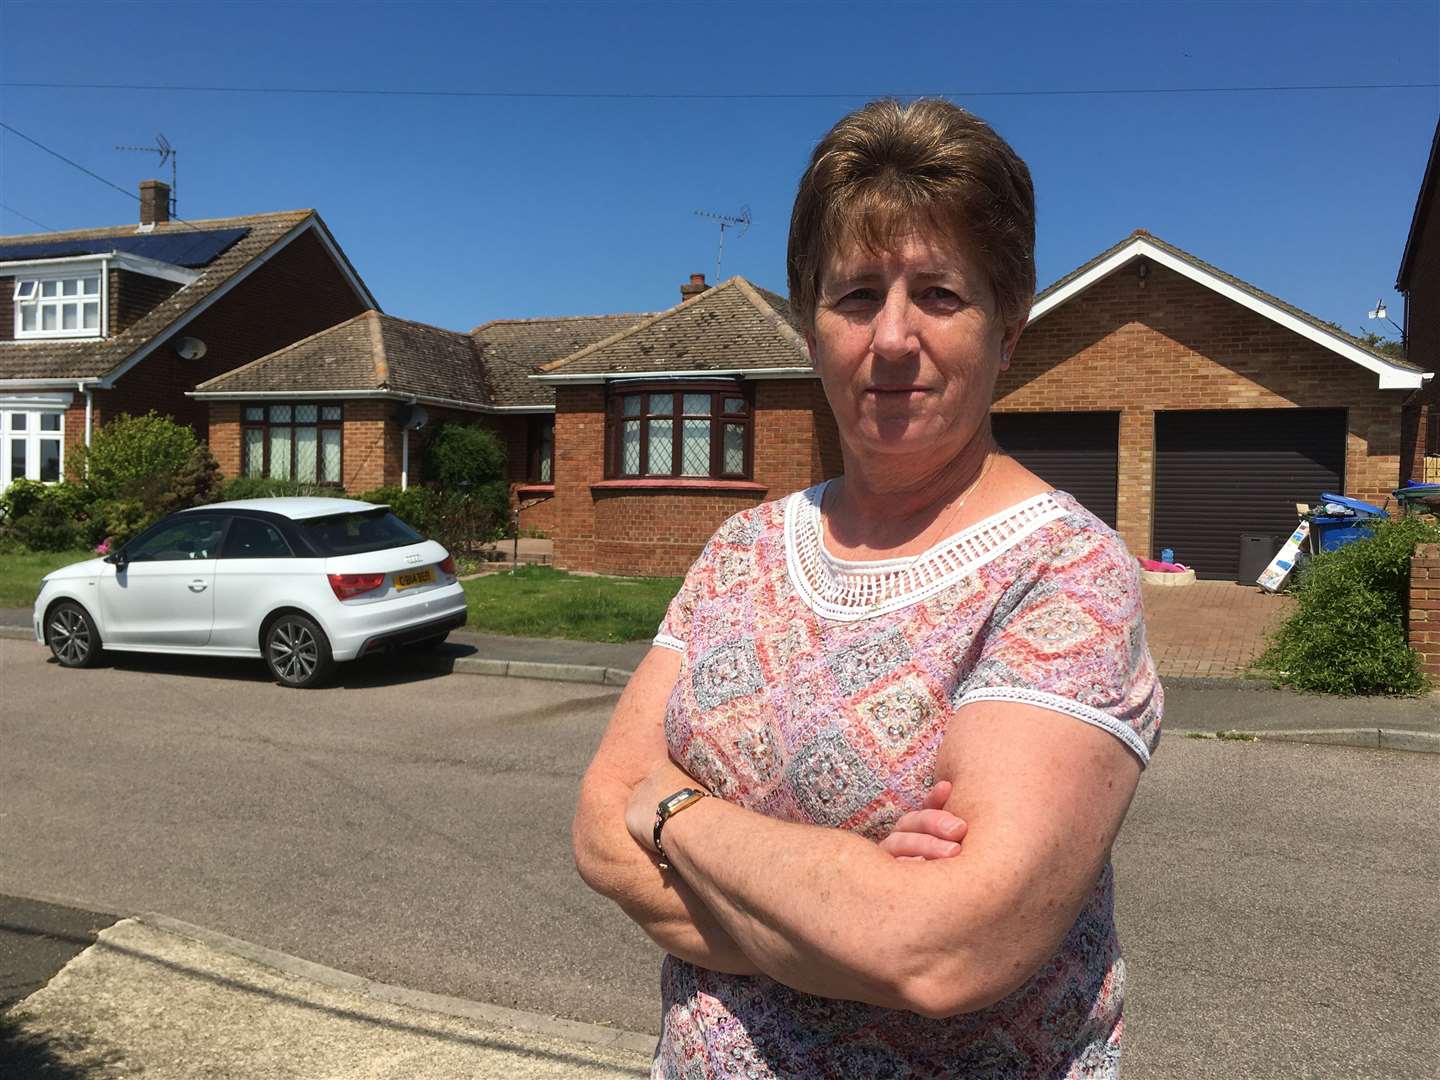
{"points": [[668, 808]]}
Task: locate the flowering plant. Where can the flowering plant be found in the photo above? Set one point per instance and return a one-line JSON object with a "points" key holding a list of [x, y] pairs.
{"points": [[103, 548]]}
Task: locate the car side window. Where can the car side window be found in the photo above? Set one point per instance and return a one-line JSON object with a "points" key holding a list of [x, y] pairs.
{"points": [[190, 536], [251, 538]]}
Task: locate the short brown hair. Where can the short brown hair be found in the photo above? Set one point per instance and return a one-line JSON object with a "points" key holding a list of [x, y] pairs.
{"points": [[887, 167]]}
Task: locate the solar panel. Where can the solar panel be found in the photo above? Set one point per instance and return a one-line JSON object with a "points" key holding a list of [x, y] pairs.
{"points": [[193, 248]]}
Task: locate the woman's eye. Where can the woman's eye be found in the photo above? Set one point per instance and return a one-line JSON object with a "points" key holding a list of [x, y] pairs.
{"points": [[939, 295], [857, 298]]}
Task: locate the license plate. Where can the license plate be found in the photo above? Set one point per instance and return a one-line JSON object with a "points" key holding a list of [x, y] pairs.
{"points": [[413, 578]]}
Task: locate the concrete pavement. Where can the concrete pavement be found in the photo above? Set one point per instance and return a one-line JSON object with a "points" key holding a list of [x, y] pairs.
{"points": [[174, 1001]]}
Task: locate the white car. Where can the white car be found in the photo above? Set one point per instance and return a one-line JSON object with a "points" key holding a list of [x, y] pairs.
{"points": [[301, 583]]}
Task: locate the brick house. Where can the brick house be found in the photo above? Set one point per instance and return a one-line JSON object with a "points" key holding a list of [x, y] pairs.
{"points": [[1183, 406], [670, 426], [1419, 282], [353, 403], [98, 322]]}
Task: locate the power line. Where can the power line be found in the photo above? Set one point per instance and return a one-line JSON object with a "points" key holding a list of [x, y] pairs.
{"points": [[82, 168], [74, 164], [776, 96], [27, 217]]}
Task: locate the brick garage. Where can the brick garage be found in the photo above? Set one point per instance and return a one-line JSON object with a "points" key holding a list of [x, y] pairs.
{"points": [[1165, 342]]}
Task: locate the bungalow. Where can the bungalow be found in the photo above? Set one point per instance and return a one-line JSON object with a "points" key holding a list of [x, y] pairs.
{"points": [[125, 319]]}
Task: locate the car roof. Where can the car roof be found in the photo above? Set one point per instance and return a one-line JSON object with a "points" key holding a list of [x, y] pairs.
{"points": [[296, 508]]}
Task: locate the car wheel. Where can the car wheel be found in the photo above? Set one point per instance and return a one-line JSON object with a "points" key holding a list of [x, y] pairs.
{"points": [[71, 635], [297, 652]]}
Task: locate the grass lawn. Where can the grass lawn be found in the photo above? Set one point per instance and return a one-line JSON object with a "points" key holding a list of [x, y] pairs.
{"points": [[541, 602], [20, 574]]}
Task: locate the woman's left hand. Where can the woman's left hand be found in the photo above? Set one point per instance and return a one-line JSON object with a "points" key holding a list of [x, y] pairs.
{"points": [[665, 779]]}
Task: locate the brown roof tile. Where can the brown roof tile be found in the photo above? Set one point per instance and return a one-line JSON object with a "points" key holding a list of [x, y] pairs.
{"points": [[95, 358], [369, 352], [731, 327], [514, 349]]}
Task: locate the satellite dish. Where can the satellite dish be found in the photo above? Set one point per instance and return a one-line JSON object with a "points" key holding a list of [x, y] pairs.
{"points": [[412, 417], [190, 348]]}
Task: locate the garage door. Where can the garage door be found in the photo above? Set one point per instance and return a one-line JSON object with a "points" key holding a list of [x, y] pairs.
{"points": [[1220, 474], [1074, 451]]}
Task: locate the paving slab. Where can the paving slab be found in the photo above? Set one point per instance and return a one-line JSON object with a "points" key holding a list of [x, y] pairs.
{"points": [[158, 1001]]}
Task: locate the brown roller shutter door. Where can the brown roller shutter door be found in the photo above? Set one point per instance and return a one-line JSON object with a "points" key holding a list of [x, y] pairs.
{"points": [[1076, 452], [1231, 471]]}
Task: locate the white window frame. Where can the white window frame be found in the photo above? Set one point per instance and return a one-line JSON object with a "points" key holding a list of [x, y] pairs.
{"points": [[31, 299], [32, 437]]}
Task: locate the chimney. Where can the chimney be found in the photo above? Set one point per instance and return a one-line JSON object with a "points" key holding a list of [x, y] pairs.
{"points": [[693, 288], [154, 202]]}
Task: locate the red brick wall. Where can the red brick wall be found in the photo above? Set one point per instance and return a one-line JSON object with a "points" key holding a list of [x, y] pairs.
{"points": [[131, 296], [7, 309], [641, 532], [1425, 608], [1173, 344], [297, 293]]}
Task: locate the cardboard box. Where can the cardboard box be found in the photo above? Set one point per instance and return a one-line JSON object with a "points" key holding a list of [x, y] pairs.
{"points": [[1274, 576]]}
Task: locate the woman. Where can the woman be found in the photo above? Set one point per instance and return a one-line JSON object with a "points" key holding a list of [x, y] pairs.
{"points": [[937, 631]]}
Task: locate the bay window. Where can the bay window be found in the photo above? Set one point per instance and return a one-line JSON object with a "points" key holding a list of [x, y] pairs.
{"points": [[682, 430], [300, 442], [32, 445]]}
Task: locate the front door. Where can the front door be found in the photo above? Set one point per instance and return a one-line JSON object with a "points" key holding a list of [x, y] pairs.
{"points": [[165, 594]]}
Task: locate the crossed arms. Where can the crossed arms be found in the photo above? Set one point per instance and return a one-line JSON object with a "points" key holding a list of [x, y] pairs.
{"points": [[827, 912]]}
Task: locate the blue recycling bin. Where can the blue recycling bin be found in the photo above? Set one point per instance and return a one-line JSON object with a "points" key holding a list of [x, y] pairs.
{"points": [[1329, 533]]}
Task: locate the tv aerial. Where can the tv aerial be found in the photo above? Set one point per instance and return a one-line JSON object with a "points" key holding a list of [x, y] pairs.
{"points": [[726, 222], [167, 153]]}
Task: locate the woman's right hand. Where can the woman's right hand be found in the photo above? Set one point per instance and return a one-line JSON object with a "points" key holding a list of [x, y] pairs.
{"points": [[931, 832]]}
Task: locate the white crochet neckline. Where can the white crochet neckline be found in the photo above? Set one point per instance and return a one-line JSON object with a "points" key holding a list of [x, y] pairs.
{"points": [[845, 590]]}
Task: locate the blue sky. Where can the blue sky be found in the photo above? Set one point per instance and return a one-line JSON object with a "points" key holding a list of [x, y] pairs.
{"points": [[460, 209]]}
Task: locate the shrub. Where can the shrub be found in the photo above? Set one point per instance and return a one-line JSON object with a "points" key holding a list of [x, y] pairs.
{"points": [[45, 517], [457, 520], [463, 458], [141, 468], [1347, 634]]}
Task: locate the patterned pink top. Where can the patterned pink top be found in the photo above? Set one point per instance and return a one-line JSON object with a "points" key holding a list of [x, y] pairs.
{"points": [[817, 690]]}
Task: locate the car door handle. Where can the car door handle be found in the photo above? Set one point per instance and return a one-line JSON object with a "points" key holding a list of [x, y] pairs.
{"points": [[198, 585]]}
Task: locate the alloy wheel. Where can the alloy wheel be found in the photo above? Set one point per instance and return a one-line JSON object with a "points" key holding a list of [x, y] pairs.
{"points": [[294, 652], [70, 636]]}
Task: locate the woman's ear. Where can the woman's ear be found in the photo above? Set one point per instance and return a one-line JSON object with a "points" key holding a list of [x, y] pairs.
{"points": [[810, 345], [1010, 340]]}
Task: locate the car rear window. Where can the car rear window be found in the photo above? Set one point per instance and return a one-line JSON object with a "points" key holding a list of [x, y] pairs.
{"points": [[367, 530]]}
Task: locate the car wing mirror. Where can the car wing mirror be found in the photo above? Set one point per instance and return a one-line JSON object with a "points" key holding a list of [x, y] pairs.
{"points": [[118, 559]]}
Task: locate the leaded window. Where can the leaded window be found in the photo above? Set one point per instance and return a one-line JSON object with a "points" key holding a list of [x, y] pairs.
{"points": [[697, 430], [295, 441]]}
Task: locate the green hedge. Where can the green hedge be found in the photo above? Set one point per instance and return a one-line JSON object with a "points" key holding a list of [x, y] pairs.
{"points": [[1347, 634]]}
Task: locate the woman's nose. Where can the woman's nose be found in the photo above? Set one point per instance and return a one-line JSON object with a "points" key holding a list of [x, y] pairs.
{"points": [[894, 337]]}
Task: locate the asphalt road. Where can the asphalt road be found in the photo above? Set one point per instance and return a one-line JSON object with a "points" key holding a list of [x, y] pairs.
{"points": [[1277, 902]]}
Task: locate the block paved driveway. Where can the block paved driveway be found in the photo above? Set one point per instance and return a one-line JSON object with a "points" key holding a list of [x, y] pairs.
{"points": [[1213, 629]]}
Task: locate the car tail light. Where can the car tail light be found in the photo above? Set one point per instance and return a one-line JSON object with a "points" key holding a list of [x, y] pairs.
{"points": [[348, 585], [447, 565]]}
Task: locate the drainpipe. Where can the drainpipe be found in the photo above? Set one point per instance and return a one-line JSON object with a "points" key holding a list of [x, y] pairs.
{"points": [[405, 458], [89, 419]]}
